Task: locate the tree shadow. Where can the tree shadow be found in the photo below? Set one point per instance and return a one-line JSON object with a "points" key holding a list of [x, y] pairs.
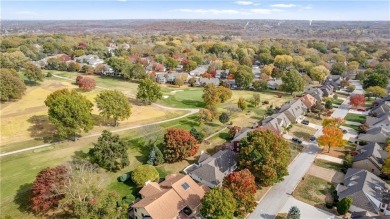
{"points": [[31, 83], [22, 198], [136, 102], [42, 129], [100, 121], [79, 155], [194, 103]]}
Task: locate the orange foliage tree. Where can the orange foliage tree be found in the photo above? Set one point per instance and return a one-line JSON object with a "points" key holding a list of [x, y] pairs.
{"points": [[332, 136]]}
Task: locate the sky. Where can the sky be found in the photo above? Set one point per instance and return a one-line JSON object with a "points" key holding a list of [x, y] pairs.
{"points": [[351, 10]]}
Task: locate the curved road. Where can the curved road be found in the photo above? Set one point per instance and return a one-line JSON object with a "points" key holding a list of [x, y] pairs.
{"points": [[191, 111]]}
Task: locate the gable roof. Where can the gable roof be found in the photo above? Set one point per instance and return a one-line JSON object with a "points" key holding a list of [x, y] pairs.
{"points": [[375, 134], [295, 107], [382, 107], [316, 93], [170, 196], [213, 168], [372, 152], [360, 185], [383, 119], [308, 100]]}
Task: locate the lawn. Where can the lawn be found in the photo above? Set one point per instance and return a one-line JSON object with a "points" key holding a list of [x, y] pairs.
{"points": [[313, 118], [355, 117], [354, 127], [302, 131], [328, 165], [337, 101], [314, 191], [182, 98]]}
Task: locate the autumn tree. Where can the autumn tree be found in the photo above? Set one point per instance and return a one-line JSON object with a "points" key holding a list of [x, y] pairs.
{"points": [[243, 76], [332, 135], [210, 97], [376, 91], [113, 104], [148, 91], [138, 71], [357, 100], [11, 86], [256, 99], [110, 152], [87, 84], [33, 72], [242, 185], [338, 68], [144, 173], [283, 61], [234, 130], [242, 104], [179, 81], [205, 115], [350, 88], [386, 165], [218, 203], [224, 93], [179, 144], [44, 192], [189, 65], [70, 112], [292, 82], [319, 73], [266, 155], [13, 60]]}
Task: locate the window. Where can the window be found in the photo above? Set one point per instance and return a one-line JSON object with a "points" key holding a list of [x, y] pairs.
{"points": [[185, 186]]}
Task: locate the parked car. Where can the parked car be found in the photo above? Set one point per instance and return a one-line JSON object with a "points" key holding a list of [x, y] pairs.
{"points": [[305, 122], [313, 138], [297, 140]]}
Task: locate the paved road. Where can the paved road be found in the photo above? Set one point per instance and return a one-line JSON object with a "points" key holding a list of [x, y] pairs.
{"points": [[277, 196], [191, 111]]}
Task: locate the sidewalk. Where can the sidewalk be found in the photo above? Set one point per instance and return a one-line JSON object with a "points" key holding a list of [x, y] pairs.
{"points": [[352, 123], [330, 158]]}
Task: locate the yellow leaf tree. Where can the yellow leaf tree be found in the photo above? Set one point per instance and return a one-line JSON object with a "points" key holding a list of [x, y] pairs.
{"points": [[332, 136], [386, 165]]}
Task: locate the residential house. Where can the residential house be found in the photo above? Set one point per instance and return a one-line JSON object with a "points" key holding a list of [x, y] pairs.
{"points": [[256, 71], [92, 60], [161, 78], [235, 143], [177, 196], [365, 215], [204, 81], [222, 74], [179, 67], [383, 120], [294, 110], [274, 84], [183, 76], [380, 109], [334, 81], [308, 100], [211, 170], [327, 90], [316, 93], [370, 157], [230, 83], [199, 70], [375, 134], [277, 122], [368, 192]]}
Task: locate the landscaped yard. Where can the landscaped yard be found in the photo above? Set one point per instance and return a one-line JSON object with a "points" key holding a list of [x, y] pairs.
{"points": [[314, 191], [302, 131], [183, 98], [328, 165], [313, 118], [355, 117], [337, 101], [354, 127]]}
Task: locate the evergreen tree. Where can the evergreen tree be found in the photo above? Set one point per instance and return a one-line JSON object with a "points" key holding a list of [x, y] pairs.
{"points": [[294, 213]]}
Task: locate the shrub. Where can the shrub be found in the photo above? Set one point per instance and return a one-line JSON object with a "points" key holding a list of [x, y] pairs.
{"points": [[294, 213], [144, 173], [49, 74], [344, 205], [86, 84], [265, 102], [224, 118], [124, 177]]}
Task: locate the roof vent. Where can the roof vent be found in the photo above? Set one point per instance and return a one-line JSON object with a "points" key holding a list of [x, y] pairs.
{"points": [[352, 183]]}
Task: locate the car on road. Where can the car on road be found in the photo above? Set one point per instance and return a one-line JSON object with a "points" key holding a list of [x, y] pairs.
{"points": [[313, 138], [305, 122], [297, 140]]}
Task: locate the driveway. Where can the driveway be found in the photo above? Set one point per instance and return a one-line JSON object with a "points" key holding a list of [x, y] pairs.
{"points": [[278, 195], [307, 211], [351, 134]]}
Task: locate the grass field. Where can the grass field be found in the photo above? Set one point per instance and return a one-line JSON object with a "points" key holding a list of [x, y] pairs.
{"points": [[183, 98], [302, 131], [314, 191], [328, 165], [355, 117]]}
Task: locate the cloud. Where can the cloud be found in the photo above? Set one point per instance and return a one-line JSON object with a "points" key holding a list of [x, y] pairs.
{"points": [[121, 0], [209, 11], [283, 5], [244, 2], [307, 8], [265, 11]]}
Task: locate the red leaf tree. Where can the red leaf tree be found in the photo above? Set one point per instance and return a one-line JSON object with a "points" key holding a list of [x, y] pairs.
{"points": [[234, 130], [179, 144], [44, 190], [357, 100], [86, 84], [242, 185]]}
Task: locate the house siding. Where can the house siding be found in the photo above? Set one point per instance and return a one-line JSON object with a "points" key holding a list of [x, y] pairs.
{"points": [[366, 165]]}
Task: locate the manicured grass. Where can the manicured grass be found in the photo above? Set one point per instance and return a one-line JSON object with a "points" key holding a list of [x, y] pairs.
{"points": [[355, 127], [328, 165], [295, 150], [302, 131], [313, 190], [337, 101], [313, 118], [355, 117], [183, 98]]}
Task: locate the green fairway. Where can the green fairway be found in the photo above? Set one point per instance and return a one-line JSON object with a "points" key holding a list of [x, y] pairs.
{"points": [[183, 98]]}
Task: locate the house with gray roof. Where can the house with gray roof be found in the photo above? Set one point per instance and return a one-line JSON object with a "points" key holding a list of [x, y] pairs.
{"points": [[92, 60], [235, 143], [316, 93], [327, 90], [204, 81], [294, 110], [370, 157], [375, 134], [380, 109], [277, 122], [199, 70], [211, 170], [383, 120], [368, 192], [274, 84]]}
